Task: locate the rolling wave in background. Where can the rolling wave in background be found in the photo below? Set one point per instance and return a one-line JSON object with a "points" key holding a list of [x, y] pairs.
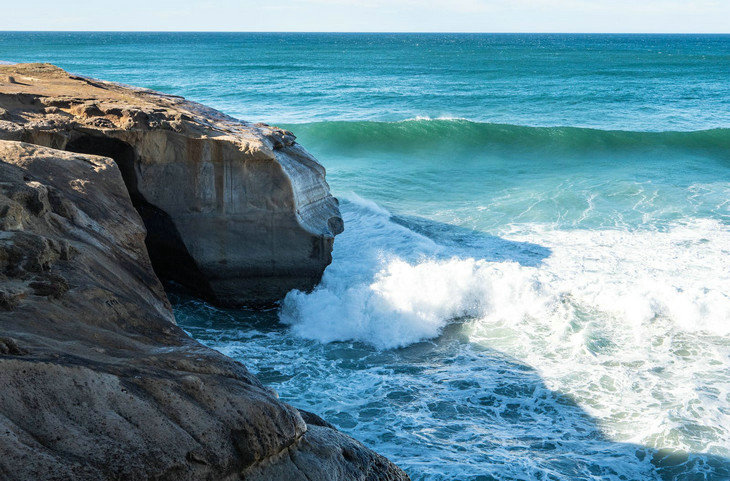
{"points": [[446, 133]]}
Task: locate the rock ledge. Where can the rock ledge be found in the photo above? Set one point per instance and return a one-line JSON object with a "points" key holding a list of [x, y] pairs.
{"points": [[237, 212]]}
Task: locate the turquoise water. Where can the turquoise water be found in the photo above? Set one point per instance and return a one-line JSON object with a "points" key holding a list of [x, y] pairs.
{"points": [[628, 82], [533, 280]]}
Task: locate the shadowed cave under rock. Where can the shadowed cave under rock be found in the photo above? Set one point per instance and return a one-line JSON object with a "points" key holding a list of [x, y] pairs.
{"points": [[170, 258]]}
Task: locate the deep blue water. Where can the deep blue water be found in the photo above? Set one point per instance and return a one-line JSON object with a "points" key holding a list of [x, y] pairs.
{"points": [[628, 82], [533, 280]]}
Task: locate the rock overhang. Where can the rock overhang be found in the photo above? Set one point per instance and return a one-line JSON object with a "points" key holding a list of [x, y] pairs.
{"points": [[238, 212]]}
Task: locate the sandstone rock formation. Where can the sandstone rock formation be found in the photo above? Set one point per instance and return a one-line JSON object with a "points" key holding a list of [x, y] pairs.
{"points": [[237, 212], [96, 380]]}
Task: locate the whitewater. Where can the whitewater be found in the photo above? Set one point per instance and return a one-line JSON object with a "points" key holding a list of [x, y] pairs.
{"points": [[533, 281]]}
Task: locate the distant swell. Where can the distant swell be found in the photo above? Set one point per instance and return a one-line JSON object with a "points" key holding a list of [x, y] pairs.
{"points": [[414, 134]]}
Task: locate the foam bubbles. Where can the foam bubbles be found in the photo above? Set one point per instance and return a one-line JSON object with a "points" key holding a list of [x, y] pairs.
{"points": [[389, 286], [405, 302]]}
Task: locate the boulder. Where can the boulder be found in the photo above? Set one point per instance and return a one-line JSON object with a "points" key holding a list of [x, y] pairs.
{"points": [[97, 381], [239, 213]]}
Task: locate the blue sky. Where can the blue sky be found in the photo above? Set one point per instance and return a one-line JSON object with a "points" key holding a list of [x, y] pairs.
{"points": [[679, 16]]}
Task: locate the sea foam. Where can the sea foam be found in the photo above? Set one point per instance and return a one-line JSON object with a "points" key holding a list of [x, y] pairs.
{"points": [[390, 286]]}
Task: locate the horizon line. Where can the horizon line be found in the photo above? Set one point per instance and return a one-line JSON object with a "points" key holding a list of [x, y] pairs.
{"points": [[369, 32]]}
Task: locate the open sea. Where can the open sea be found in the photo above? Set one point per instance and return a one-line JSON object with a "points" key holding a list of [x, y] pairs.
{"points": [[534, 279]]}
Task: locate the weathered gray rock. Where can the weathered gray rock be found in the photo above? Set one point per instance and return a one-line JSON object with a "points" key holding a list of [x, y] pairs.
{"points": [[96, 380], [240, 213]]}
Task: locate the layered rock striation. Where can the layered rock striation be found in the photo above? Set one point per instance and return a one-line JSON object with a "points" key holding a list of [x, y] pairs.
{"points": [[237, 212], [96, 380]]}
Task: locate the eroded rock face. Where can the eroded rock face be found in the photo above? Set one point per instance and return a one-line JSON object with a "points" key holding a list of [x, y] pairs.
{"points": [[240, 213], [96, 380]]}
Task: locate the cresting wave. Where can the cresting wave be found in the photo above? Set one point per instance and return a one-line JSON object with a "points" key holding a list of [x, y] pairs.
{"points": [[390, 286], [444, 133]]}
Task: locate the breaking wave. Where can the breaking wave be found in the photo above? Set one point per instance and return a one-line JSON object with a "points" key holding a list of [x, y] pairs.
{"points": [[390, 286]]}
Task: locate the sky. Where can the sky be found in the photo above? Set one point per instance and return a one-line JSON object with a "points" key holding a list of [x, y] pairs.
{"points": [[634, 16]]}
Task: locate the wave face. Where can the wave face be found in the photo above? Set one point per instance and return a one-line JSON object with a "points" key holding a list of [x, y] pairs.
{"points": [[485, 175], [445, 133]]}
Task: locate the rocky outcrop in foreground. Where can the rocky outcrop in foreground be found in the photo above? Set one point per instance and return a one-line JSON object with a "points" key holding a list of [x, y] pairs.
{"points": [[239, 213], [96, 380]]}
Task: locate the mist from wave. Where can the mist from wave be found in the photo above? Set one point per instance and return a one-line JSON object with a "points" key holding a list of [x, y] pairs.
{"points": [[391, 286]]}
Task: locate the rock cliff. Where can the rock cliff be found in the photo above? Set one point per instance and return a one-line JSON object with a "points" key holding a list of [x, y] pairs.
{"points": [[238, 212], [98, 383]]}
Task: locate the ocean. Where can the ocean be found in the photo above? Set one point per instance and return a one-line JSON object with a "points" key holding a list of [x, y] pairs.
{"points": [[534, 278]]}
